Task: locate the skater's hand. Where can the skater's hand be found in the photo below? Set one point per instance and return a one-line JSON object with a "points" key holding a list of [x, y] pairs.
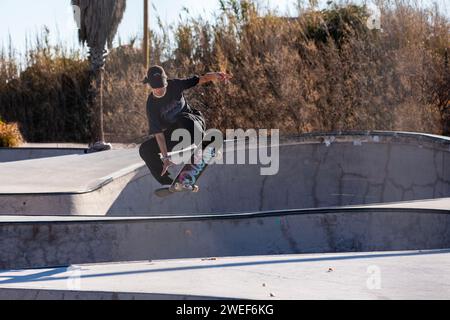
{"points": [[223, 77], [166, 165], [216, 77]]}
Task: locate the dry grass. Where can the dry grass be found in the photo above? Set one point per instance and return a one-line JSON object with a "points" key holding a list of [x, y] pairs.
{"points": [[324, 71]]}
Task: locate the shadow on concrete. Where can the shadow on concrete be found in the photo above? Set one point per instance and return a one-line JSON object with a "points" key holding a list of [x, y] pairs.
{"points": [[32, 277]]}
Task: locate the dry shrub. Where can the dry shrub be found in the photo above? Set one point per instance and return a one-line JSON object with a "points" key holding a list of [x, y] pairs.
{"points": [[47, 94], [125, 96], [322, 71], [10, 135], [325, 71]]}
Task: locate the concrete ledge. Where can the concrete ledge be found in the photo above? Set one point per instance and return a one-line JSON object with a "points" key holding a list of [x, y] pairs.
{"points": [[22, 154], [43, 294], [62, 243]]}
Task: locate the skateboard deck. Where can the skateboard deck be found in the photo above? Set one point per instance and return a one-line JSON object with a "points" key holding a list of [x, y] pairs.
{"points": [[186, 180]]}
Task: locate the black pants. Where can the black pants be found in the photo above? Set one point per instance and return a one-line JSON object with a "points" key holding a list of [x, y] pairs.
{"points": [[149, 150]]}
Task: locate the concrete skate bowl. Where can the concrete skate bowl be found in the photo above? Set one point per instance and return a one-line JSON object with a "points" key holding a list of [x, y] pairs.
{"points": [[22, 154], [315, 171]]}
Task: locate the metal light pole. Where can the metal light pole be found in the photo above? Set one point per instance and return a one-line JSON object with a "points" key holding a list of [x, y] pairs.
{"points": [[146, 35]]}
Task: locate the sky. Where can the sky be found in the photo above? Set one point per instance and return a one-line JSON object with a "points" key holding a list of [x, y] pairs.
{"points": [[25, 18]]}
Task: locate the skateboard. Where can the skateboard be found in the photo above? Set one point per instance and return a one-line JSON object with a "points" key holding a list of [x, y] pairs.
{"points": [[188, 176]]}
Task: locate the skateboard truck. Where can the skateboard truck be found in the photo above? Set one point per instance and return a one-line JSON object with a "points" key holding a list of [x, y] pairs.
{"points": [[178, 187], [191, 172]]}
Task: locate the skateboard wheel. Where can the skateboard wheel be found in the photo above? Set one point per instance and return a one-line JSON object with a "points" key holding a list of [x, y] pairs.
{"points": [[195, 189], [178, 187]]}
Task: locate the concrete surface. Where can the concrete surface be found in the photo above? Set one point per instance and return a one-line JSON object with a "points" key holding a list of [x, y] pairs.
{"points": [[439, 204], [388, 275], [317, 170], [32, 151], [339, 192], [61, 242]]}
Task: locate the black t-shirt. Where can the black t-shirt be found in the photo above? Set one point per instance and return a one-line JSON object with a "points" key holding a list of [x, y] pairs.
{"points": [[164, 112]]}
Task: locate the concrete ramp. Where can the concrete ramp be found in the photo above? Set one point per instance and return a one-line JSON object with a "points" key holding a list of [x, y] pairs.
{"points": [[316, 171], [33, 242]]}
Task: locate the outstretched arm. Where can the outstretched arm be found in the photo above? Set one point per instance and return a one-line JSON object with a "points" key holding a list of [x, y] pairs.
{"points": [[215, 77]]}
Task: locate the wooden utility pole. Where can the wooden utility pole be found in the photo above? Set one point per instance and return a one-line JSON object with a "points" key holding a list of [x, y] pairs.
{"points": [[146, 33]]}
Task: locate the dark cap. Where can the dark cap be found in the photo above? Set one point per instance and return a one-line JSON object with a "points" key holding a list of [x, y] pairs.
{"points": [[156, 77]]}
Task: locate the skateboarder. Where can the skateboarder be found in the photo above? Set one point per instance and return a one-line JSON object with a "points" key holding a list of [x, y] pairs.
{"points": [[168, 110]]}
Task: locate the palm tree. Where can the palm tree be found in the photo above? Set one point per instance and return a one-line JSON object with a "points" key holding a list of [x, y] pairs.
{"points": [[98, 22]]}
